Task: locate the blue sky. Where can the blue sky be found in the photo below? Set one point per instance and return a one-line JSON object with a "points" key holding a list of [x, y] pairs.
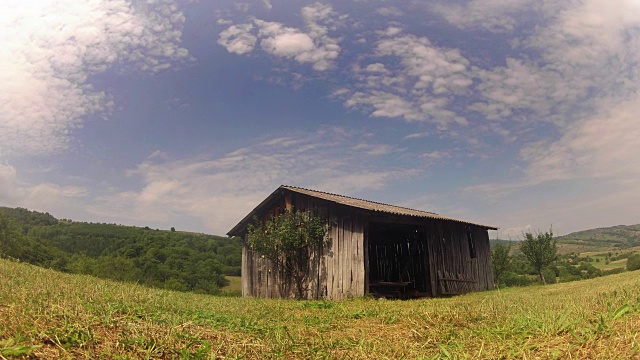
{"points": [[515, 113]]}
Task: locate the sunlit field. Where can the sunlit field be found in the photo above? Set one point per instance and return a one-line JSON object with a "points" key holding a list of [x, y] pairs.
{"points": [[46, 314]]}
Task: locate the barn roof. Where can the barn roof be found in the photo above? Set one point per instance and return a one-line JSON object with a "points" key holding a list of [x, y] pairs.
{"points": [[347, 201]]}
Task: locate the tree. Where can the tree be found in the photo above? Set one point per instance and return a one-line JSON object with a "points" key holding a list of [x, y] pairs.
{"points": [[286, 240], [633, 262], [540, 250], [501, 261]]}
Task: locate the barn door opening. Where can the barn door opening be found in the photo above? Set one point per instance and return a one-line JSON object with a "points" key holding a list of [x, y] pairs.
{"points": [[398, 261]]}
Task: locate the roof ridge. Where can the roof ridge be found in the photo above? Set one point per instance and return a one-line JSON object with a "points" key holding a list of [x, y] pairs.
{"points": [[355, 198]]}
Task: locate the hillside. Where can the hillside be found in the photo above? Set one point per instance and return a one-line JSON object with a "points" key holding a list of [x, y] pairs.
{"points": [[613, 238], [619, 237], [159, 258], [46, 314]]}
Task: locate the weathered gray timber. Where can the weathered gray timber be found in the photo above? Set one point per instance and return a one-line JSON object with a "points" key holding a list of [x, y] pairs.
{"points": [[372, 248]]}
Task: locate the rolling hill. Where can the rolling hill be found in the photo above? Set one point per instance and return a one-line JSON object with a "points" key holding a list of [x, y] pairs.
{"points": [[160, 258]]}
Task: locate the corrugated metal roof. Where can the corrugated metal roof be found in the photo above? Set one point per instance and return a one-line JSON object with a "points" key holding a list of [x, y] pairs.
{"points": [[353, 202], [375, 206]]}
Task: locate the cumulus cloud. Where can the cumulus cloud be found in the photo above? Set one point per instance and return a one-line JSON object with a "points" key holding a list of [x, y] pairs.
{"points": [[238, 39], [49, 48], [284, 41], [311, 45], [220, 190]]}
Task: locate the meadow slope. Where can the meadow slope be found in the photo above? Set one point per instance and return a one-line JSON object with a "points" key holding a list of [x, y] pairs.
{"points": [[47, 314]]}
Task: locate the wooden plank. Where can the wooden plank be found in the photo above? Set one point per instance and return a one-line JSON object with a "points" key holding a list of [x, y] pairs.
{"points": [[348, 261], [366, 259], [359, 260], [331, 261], [312, 276], [244, 275], [339, 269]]}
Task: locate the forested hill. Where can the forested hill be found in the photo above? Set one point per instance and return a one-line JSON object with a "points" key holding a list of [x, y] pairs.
{"points": [[160, 258]]}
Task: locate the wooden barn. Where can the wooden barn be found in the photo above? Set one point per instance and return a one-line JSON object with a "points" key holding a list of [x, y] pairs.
{"points": [[373, 248]]}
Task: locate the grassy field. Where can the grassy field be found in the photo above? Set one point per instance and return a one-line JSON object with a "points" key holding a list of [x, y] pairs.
{"points": [[45, 314], [235, 285]]}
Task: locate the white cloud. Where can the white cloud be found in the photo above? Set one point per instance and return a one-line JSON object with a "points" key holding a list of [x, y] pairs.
{"points": [[416, 135], [311, 45], [374, 149], [282, 41], [588, 177], [585, 56], [417, 88], [238, 39], [242, 7], [390, 31], [49, 48], [7, 183], [436, 155], [389, 11], [219, 191], [524, 86], [604, 145], [492, 15], [42, 196]]}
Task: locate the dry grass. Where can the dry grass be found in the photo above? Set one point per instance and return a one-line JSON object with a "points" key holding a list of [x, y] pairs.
{"points": [[45, 314]]}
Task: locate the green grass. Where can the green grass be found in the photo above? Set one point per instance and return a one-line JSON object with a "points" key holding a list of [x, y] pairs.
{"points": [[235, 285], [46, 314], [600, 257]]}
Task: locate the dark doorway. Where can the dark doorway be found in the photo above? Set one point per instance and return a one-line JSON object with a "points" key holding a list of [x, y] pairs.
{"points": [[398, 261]]}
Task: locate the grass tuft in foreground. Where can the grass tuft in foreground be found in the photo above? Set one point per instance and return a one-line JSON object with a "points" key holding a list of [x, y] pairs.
{"points": [[47, 314]]}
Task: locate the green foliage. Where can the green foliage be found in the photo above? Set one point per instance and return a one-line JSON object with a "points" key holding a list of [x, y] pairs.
{"points": [[511, 278], [549, 276], [633, 262], [286, 239], [540, 250], [27, 218], [501, 260], [12, 348], [167, 259]]}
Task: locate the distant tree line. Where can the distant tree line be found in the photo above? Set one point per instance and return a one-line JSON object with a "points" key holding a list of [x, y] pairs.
{"points": [[159, 258], [535, 260]]}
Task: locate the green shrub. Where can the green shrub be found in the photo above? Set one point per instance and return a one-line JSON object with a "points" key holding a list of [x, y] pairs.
{"points": [[513, 279], [549, 275], [613, 271], [633, 262]]}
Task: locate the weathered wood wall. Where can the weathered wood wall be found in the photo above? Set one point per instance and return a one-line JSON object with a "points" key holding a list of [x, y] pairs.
{"points": [[450, 257], [339, 270]]}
